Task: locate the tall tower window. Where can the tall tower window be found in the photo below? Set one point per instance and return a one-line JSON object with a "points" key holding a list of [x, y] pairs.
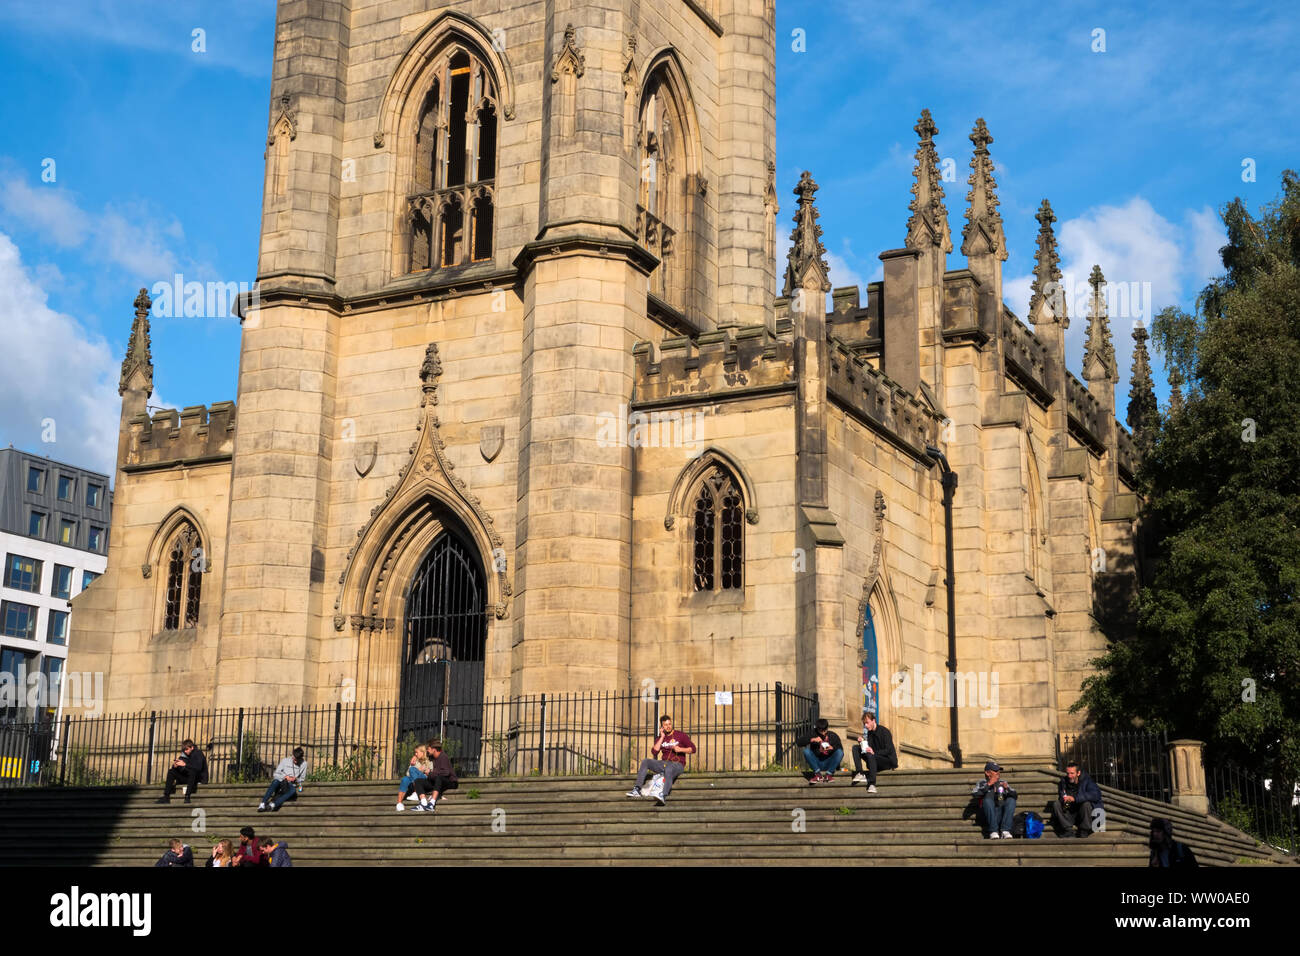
{"points": [[718, 533], [667, 193], [186, 563], [450, 209]]}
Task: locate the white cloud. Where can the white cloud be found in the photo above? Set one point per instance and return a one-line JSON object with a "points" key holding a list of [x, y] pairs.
{"points": [[128, 237], [48, 210], [58, 371]]}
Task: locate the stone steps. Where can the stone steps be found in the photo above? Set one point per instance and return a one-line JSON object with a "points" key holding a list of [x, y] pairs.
{"points": [[914, 819]]}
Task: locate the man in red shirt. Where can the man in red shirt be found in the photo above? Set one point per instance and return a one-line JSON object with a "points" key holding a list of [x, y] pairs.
{"points": [[672, 746]]}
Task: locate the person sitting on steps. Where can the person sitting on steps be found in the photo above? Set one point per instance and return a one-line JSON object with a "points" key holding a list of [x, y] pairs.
{"points": [[993, 801], [1077, 798], [286, 781], [822, 751], [440, 778], [875, 749], [673, 746], [419, 769], [189, 768]]}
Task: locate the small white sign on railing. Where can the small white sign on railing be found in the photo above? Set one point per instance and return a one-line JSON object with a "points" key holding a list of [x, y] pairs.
{"points": [[722, 698]]}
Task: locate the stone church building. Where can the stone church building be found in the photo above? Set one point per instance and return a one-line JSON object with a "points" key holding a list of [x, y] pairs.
{"points": [[517, 389]]}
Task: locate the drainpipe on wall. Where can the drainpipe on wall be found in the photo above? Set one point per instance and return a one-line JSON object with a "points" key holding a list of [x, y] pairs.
{"points": [[949, 481]]}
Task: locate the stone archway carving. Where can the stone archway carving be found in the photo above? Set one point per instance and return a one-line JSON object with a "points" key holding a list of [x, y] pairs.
{"points": [[427, 497]]}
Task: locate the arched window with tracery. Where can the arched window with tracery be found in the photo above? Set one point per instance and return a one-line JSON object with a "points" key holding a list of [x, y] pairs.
{"points": [[665, 196], [718, 533], [186, 564], [451, 207]]}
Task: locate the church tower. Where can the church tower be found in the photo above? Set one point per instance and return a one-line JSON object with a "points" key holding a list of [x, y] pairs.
{"points": [[532, 188]]}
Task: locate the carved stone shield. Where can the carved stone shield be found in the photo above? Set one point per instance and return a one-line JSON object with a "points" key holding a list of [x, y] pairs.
{"points": [[490, 440], [365, 459]]}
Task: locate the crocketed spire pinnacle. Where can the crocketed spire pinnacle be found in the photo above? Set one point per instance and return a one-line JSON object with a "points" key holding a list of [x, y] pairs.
{"points": [[138, 355], [1141, 393], [1047, 289], [928, 226], [982, 234], [806, 249], [1098, 353]]}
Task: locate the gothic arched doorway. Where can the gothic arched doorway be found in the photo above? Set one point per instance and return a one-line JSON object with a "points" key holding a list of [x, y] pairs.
{"points": [[445, 639]]}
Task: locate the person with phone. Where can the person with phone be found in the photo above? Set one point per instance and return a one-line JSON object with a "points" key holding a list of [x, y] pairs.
{"points": [[286, 782], [189, 768], [668, 757]]}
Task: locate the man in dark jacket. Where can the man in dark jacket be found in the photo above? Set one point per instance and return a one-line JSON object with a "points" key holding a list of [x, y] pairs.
{"points": [[190, 769], [876, 749], [823, 752], [178, 855], [275, 852], [1077, 797], [1165, 850]]}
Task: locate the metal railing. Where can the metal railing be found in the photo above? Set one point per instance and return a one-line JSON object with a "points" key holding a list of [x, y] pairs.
{"points": [[1136, 762], [738, 728], [1265, 809]]}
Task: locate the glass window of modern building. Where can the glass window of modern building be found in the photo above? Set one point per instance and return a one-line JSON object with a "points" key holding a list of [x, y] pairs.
{"points": [[87, 578], [19, 664], [62, 585], [18, 620], [52, 670], [36, 525], [96, 539], [66, 486], [94, 494], [23, 574], [36, 480], [68, 532], [57, 631]]}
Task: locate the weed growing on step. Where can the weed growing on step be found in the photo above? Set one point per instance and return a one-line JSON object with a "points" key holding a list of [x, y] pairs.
{"points": [[81, 774], [844, 811], [472, 794], [362, 764]]}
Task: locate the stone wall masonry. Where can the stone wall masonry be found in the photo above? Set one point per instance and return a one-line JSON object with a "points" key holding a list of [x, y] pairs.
{"points": [[679, 635], [117, 627]]}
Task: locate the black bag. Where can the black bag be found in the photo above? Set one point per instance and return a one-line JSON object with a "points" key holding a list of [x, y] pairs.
{"points": [[1018, 825]]}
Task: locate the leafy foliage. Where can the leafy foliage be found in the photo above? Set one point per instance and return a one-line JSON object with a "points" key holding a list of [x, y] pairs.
{"points": [[1216, 655]]}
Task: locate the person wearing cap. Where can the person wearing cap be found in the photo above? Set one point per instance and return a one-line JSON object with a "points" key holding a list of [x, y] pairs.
{"points": [[1165, 850], [994, 802], [286, 781], [875, 749], [822, 751]]}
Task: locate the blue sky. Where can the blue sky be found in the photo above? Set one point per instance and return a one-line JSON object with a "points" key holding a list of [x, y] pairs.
{"points": [[157, 152]]}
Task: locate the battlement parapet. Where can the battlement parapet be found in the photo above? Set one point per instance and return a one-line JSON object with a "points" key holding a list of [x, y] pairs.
{"points": [[197, 434], [879, 401], [727, 363]]}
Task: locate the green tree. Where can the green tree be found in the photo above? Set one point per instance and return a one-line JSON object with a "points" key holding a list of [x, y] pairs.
{"points": [[1216, 654]]}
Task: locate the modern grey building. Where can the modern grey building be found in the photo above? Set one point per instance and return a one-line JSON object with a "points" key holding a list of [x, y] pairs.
{"points": [[54, 524]]}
